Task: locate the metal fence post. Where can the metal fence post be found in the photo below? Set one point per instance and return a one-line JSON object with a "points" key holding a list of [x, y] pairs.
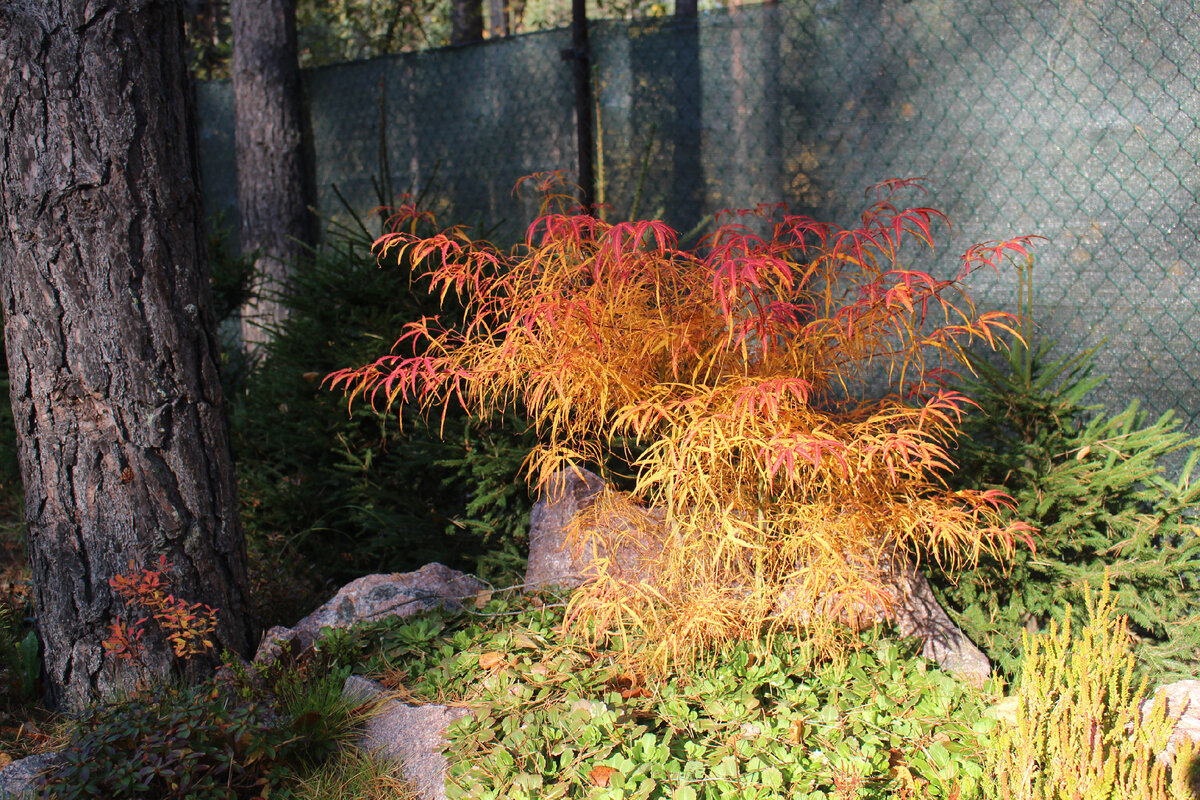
{"points": [[581, 56]]}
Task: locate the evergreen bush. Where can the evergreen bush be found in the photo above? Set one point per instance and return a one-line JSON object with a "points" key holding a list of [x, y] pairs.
{"points": [[1097, 487], [352, 492]]}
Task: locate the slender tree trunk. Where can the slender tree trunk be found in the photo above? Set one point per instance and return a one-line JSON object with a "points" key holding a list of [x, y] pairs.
{"points": [[122, 434], [688, 188], [497, 18], [466, 21], [753, 60], [272, 190], [581, 56]]}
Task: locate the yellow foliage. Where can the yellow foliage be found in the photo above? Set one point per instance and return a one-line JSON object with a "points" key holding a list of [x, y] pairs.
{"points": [[1077, 731], [736, 378]]}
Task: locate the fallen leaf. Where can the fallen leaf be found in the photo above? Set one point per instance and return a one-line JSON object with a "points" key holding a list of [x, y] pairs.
{"points": [[492, 660], [910, 786], [482, 599], [629, 685], [5, 760], [796, 732], [523, 642], [600, 775]]}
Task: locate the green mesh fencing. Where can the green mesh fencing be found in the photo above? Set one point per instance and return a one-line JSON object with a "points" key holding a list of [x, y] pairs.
{"points": [[1074, 120], [465, 123]]}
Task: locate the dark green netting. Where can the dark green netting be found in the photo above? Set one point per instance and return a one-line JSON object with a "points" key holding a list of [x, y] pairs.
{"points": [[1073, 120]]}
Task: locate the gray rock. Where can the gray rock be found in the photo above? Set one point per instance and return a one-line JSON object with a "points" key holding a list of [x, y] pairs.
{"points": [[911, 605], [550, 561], [18, 779], [274, 643], [918, 613], [1183, 701], [374, 597], [411, 736], [553, 562]]}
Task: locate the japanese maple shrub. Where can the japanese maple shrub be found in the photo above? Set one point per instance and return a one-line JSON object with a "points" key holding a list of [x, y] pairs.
{"points": [[736, 377]]}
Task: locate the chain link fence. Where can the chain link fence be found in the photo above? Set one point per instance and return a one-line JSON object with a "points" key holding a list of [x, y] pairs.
{"points": [[1078, 121]]}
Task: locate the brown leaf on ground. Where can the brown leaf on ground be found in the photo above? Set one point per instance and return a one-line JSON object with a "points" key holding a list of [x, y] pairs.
{"points": [[600, 775], [493, 660]]}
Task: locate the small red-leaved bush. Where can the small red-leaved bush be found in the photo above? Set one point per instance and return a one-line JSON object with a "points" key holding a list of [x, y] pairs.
{"points": [[187, 626], [740, 378]]}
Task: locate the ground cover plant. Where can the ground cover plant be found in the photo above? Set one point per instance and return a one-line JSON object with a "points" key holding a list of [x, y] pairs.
{"points": [[559, 717], [254, 731], [1098, 488], [279, 732], [735, 378], [556, 716]]}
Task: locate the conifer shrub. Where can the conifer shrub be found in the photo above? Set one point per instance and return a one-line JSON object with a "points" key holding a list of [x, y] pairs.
{"points": [[1098, 488], [734, 377], [329, 496]]}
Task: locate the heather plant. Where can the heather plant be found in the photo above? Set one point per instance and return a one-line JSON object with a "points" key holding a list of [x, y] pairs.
{"points": [[1098, 488], [735, 379], [1078, 729]]}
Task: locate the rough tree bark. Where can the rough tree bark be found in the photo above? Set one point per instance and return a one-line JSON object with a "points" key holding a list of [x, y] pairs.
{"points": [[272, 190], [122, 433]]}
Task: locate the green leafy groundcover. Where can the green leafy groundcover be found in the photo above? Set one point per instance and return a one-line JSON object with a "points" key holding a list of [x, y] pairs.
{"points": [[554, 719]]}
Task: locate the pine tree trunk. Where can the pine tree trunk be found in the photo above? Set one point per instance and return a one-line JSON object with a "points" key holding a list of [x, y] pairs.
{"points": [[123, 439], [466, 21], [272, 190], [497, 18]]}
